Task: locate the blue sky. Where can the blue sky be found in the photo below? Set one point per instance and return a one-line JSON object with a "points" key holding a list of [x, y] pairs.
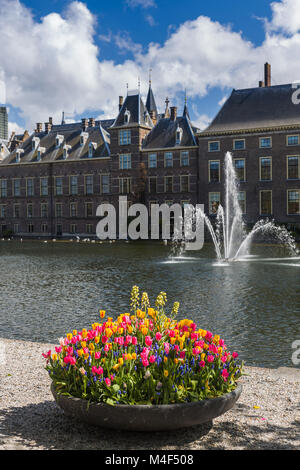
{"points": [[80, 55]]}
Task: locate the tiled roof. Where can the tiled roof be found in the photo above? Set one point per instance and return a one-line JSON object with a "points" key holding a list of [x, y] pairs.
{"points": [[163, 135], [150, 102], [257, 108], [71, 137], [137, 112]]}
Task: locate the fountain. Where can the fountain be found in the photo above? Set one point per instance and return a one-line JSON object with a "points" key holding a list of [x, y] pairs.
{"points": [[229, 236]]}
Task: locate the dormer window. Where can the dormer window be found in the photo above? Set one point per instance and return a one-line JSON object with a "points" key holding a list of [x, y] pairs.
{"points": [[40, 152], [92, 148], [35, 143], [59, 140], [179, 133], [83, 138], [66, 149], [18, 155], [126, 117]]}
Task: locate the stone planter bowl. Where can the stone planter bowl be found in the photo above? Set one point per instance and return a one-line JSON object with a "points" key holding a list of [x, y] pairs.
{"points": [[147, 417]]}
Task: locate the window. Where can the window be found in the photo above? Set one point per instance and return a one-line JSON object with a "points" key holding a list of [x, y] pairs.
{"points": [[214, 171], [265, 142], [184, 158], [44, 186], [29, 210], [125, 161], [35, 143], [292, 140], [293, 167], [89, 228], [239, 165], [168, 184], [30, 228], [89, 186], [2, 211], [59, 140], [152, 160], [242, 201], [125, 137], [104, 184], [184, 183], [83, 138], [168, 159], [179, 134], [239, 144], [44, 228], [73, 185], [73, 228], [89, 209], [17, 187], [214, 202], [124, 185], [59, 186], [73, 209], [16, 228], [59, 230], [92, 148], [44, 210], [29, 187], [126, 116], [3, 188], [293, 202], [265, 168], [214, 146], [58, 209], [152, 184], [16, 211], [265, 202]]}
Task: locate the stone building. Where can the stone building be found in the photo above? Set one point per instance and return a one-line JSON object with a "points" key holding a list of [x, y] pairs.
{"points": [[52, 181]]}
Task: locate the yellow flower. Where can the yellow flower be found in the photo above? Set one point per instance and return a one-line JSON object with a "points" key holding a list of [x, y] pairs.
{"points": [[133, 355], [83, 344], [116, 366], [97, 339], [176, 360], [80, 352], [54, 357], [203, 356], [120, 361], [69, 336], [165, 359], [130, 329], [102, 313], [91, 347], [166, 373], [74, 332]]}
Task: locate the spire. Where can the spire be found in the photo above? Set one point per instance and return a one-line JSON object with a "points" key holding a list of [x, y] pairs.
{"points": [[185, 109], [150, 102], [63, 119]]}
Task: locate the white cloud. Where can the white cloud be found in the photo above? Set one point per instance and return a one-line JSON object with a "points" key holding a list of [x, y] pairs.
{"points": [[141, 3], [286, 16], [223, 100], [54, 64], [150, 20], [2, 91]]}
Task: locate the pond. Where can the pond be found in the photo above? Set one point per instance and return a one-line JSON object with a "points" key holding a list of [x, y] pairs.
{"points": [[48, 289]]}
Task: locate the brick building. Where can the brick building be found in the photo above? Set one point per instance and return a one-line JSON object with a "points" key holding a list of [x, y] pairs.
{"points": [[52, 181]]}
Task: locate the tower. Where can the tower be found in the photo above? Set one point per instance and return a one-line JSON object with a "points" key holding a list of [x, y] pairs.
{"points": [[150, 102], [3, 123]]}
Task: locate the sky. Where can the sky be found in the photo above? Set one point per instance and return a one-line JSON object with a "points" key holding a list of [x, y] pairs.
{"points": [[78, 57]]}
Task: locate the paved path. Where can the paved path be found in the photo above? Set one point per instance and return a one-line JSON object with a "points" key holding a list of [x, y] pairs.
{"points": [[267, 415]]}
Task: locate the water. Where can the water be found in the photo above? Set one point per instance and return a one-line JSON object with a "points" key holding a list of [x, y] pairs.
{"points": [[50, 288]]}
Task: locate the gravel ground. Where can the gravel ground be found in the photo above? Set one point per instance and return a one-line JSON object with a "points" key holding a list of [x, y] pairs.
{"points": [[30, 418]]}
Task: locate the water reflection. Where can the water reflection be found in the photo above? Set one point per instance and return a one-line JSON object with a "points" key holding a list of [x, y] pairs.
{"points": [[49, 289]]}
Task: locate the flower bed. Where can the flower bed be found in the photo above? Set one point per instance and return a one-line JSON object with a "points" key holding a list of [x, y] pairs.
{"points": [[143, 357]]}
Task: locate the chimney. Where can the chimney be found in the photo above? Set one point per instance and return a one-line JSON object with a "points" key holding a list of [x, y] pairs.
{"points": [[173, 113], [267, 74], [92, 122], [39, 127], [121, 100], [261, 84], [84, 123], [50, 121], [48, 127]]}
